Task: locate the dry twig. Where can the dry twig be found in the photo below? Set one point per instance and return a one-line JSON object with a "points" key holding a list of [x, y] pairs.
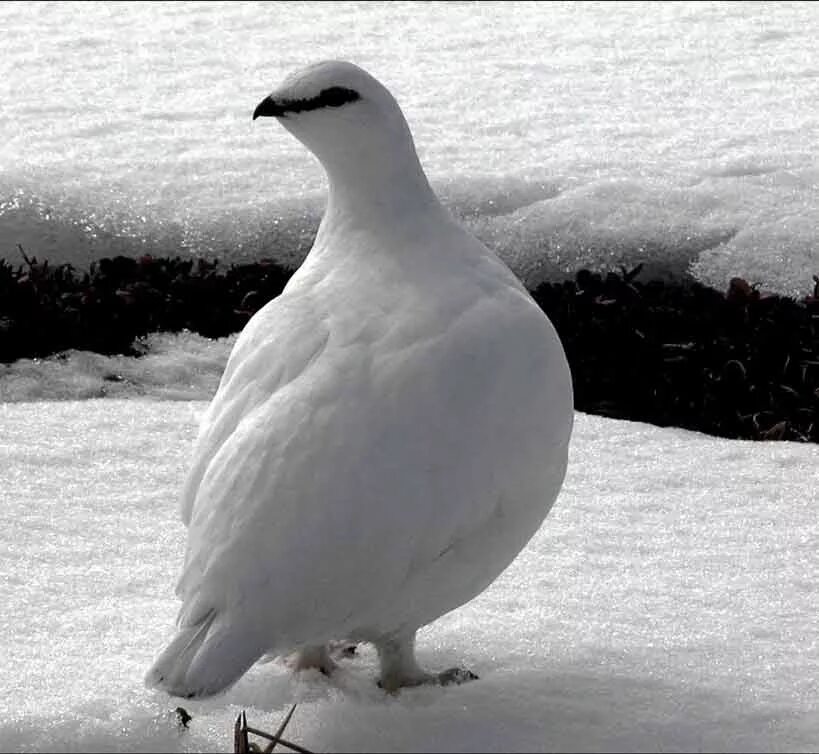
{"points": [[242, 744]]}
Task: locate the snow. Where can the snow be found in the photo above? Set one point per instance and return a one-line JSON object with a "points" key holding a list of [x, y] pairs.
{"points": [[705, 109], [667, 603]]}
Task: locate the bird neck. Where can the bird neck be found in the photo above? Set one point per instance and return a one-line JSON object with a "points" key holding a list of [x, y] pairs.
{"points": [[387, 194]]}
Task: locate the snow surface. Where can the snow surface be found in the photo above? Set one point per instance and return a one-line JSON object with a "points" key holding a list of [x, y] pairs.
{"points": [[668, 602], [671, 132]]}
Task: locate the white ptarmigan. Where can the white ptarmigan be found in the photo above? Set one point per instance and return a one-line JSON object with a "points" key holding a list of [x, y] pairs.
{"points": [[388, 433]]}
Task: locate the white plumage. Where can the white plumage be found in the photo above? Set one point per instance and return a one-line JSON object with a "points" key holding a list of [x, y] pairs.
{"points": [[388, 433]]}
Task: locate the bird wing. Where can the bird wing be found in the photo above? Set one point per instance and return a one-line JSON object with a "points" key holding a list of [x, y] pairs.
{"points": [[256, 369]]}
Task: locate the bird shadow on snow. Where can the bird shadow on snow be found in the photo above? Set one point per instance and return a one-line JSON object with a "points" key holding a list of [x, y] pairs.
{"points": [[549, 708]]}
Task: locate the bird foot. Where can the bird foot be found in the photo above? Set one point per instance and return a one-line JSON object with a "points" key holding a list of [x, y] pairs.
{"points": [[342, 649], [455, 676], [314, 658], [449, 677]]}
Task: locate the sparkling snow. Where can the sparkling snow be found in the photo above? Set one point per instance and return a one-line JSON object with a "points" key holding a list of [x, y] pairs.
{"points": [[669, 602], [526, 115]]}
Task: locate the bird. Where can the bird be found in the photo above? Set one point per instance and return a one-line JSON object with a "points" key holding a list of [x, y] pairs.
{"points": [[388, 433]]}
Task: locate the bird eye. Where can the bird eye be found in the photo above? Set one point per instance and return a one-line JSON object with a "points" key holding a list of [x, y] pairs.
{"points": [[336, 96]]}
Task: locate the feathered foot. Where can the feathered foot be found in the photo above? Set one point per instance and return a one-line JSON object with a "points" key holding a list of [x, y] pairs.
{"points": [[399, 668], [317, 657]]}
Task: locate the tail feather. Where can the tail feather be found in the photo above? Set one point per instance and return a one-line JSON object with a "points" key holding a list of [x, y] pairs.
{"points": [[204, 658]]}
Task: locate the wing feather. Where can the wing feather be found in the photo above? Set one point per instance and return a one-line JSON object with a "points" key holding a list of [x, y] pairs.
{"points": [[256, 369]]}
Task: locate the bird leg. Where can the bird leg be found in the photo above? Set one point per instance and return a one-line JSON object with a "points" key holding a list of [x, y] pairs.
{"points": [[314, 656], [399, 667]]}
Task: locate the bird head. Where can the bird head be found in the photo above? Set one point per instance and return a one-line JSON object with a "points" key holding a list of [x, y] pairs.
{"points": [[345, 117]]}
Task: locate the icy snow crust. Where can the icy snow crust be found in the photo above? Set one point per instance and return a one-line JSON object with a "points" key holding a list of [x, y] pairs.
{"points": [[667, 603], [683, 134]]}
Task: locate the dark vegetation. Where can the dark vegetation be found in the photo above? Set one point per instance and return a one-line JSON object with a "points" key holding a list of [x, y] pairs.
{"points": [[46, 309], [741, 364]]}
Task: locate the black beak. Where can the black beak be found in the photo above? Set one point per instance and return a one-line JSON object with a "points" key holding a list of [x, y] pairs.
{"points": [[268, 108]]}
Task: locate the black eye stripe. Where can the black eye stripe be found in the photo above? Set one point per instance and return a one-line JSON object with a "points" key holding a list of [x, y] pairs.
{"points": [[335, 96]]}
